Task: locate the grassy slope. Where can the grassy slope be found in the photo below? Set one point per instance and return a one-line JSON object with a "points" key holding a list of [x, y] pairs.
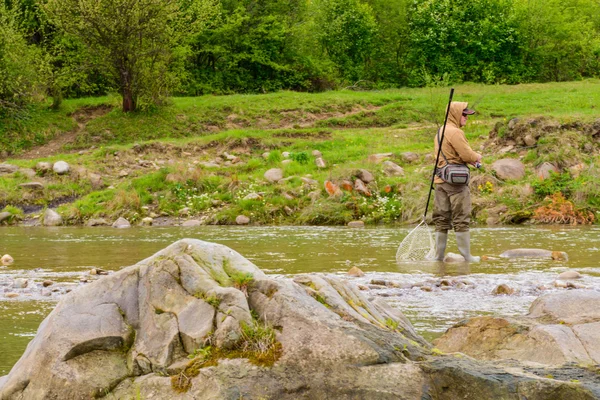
{"points": [[345, 126]]}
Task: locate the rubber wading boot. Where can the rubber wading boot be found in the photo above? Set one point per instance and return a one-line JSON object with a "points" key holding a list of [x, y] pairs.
{"points": [[463, 241], [441, 238]]}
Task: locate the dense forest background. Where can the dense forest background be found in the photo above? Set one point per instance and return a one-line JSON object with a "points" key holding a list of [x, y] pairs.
{"points": [[147, 50]]}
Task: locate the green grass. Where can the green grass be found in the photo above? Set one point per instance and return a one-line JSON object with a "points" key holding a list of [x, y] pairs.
{"points": [[345, 126]]}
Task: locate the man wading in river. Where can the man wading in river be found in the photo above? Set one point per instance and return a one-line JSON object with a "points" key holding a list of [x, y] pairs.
{"points": [[452, 205]]}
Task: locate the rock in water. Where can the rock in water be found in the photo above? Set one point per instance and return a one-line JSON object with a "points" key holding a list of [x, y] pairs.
{"points": [[7, 260], [535, 253], [123, 335], [121, 223], [51, 218], [560, 328]]}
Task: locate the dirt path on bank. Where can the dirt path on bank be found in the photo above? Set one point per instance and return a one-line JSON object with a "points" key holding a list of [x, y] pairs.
{"points": [[56, 146]]}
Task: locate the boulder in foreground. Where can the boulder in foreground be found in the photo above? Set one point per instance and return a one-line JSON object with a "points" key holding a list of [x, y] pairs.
{"points": [[199, 321]]}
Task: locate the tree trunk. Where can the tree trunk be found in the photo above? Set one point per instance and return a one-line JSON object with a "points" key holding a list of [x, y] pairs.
{"points": [[129, 103]]}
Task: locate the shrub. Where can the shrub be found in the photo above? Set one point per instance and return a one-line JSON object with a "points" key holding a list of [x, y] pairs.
{"points": [[562, 211]]}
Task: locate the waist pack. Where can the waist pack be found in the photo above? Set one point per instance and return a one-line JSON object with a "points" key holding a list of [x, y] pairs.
{"points": [[455, 174]]}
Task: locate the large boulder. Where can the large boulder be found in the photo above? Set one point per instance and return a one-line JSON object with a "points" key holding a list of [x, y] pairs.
{"points": [[509, 168], [560, 328], [129, 334]]}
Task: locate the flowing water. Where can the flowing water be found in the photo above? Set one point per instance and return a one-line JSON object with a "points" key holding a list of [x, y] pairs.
{"points": [[65, 254]]}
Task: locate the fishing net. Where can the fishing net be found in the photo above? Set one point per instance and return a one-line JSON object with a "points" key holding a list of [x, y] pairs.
{"points": [[418, 245]]}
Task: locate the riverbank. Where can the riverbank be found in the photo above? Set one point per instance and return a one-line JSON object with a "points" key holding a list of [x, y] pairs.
{"points": [[303, 159]]}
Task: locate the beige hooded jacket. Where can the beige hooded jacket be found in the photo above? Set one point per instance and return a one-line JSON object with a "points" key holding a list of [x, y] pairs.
{"points": [[455, 146]]}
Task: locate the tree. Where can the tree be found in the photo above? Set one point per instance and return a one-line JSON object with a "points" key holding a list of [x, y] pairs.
{"points": [[135, 38], [477, 42], [347, 29], [18, 65]]}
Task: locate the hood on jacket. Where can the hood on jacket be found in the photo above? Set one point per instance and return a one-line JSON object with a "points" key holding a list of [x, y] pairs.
{"points": [[456, 109]]}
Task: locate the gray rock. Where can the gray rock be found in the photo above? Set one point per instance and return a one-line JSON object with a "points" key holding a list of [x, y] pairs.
{"points": [[392, 169], [61, 168], [356, 224], [509, 168], [571, 307], [285, 154], [379, 158], [191, 223], [8, 169], [97, 222], [51, 218], [560, 328], [365, 176], [453, 258], [545, 170], [316, 153], [32, 186], [570, 275], [310, 181], [409, 157], [242, 220], [529, 140], [5, 216], [252, 196], [20, 283], [43, 167], [96, 181], [28, 172], [274, 175], [147, 221], [286, 162], [320, 163], [121, 223], [534, 253]]}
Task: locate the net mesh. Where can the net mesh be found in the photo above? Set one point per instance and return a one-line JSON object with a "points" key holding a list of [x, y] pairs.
{"points": [[417, 245]]}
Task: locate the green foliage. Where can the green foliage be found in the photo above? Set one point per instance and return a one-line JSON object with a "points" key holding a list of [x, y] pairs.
{"points": [[347, 30], [19, 64], [134, 39], [556, 183], [479, 43], [300, 157]]}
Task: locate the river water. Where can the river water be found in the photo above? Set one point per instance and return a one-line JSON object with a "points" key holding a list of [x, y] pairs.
{"points": [[63, 255]]}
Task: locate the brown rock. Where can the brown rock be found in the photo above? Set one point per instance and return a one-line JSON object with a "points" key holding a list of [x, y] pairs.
{"points": [[361, 188], [503, 289], [509, 168], [356, 272], [332, 189], [379, 158]]}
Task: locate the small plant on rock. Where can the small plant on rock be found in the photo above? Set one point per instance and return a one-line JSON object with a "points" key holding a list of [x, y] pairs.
{"points": [[241, 281]]}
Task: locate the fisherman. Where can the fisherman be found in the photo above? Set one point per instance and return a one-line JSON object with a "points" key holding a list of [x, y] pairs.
{"points": [[452, 205]]}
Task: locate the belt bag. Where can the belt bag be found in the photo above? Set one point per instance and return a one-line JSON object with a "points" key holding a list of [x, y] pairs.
{"points": [[455, 174]]}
